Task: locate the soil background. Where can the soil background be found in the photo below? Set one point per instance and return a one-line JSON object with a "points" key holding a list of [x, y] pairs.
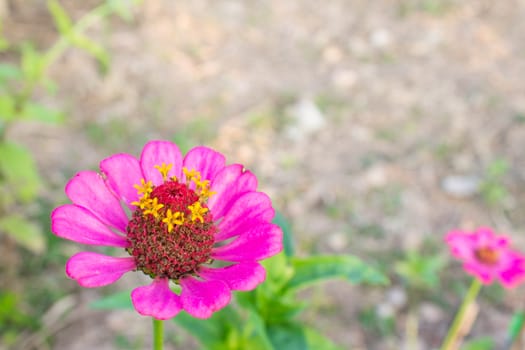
{"points": [[371, 124]]}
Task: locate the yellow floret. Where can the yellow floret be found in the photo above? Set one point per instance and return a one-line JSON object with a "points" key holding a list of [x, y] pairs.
{"points": [[164, 169], [191, 175], [145, 188], [153, 208], [197, 211], [173, 219]]}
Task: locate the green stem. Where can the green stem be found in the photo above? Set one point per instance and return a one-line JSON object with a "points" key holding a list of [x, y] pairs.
{"points": [[515, 328], [79, 27], [59, 46], [412, 325], [454, 329], [158, 328]]}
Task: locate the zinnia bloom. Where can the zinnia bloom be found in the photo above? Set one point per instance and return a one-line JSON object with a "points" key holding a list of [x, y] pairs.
{"points": [[487, 256], [193, 221]]}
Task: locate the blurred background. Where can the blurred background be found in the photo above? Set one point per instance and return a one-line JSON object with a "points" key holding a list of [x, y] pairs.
{"points": [[375, 126]]}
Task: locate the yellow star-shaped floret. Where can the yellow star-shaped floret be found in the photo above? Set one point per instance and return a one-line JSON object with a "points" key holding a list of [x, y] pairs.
{"points": [[197, 211], [164, 169], [145, 188], [173, 219], [153, 208]]}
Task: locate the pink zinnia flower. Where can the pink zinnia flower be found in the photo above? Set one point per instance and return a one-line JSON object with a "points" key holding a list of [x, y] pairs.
{"points": [[185, 214], [487, 256]]}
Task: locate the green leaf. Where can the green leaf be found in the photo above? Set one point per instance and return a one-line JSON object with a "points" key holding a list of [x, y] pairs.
{"points": [[4, 44], [294, 336], [83, 42], [117, 301], [270, 299], [11, 314], [288, 336], [317, 341], [60, 17], [314, 269], [274, 305], [33, 64], [484, 343], [255, 333], [24, 232], [211, 332], [516, 325], [281, 221], [18, 171], [498, 168], [419, 270], [278, 271], [9, 72], [41, 113], [7, 108], [123, 8]]}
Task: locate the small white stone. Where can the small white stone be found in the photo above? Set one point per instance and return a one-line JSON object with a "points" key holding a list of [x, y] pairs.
{"points": [[397, 297], [306, 118], [461, 186], [380, 38], [385, 310]]}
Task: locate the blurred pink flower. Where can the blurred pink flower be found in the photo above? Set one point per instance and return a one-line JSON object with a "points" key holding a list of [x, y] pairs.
{"points": [[487, 256], [174, 216]]}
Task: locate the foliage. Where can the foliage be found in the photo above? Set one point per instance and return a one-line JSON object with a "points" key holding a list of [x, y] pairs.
{"points": [[12, 317], [23, 83], [19, 81], [484, 343], [493, 190], [266, 318], [420, 271], [375, 322]]}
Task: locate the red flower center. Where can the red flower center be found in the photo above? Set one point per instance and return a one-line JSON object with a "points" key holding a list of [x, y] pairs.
{"points": [[487, 256], [171, 232]]}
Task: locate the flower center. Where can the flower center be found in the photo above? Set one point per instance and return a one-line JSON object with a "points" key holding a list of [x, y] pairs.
{"points": [[171, 231], [487, 255]]}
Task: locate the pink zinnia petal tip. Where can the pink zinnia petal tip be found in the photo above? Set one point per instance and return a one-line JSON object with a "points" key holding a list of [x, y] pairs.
{"points": [[156, 300], [487, 256], [185, 212], [202, 298]]}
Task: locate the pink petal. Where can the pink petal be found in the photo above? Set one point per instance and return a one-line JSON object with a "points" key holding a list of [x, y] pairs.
{"points": [[514, 273], [156, 300], [89, 190], [485, 237], [511, 278], [156, 153], [258, 242], [249, 207], [205, 160], [122, 171], [97, 270], [80, 225], [243, 276], [480, 271], [202, 298], [462, 245], [229, 184]]}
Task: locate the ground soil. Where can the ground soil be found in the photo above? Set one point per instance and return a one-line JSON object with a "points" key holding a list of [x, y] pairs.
{"points": [[353, 114]]}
